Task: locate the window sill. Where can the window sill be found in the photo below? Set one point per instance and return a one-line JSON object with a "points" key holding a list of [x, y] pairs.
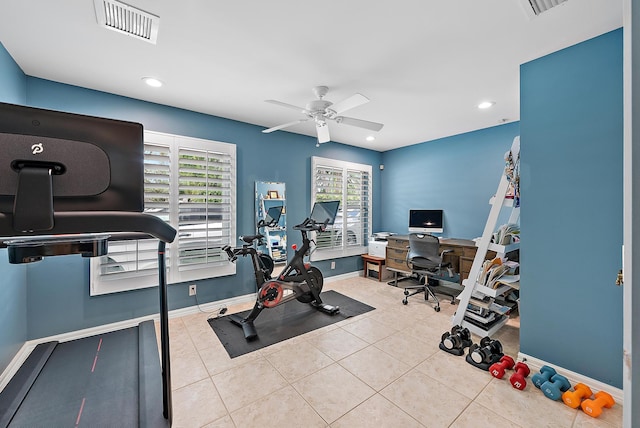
{"points": [[319, 255]]}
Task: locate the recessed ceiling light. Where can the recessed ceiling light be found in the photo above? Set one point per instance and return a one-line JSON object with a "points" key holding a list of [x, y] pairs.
{"points": [[370, 138], [152, 81], [486, 104]]}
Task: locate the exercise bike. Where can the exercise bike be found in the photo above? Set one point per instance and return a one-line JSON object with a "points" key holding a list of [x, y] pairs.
{"points": [[298, 280], [262, 263]]}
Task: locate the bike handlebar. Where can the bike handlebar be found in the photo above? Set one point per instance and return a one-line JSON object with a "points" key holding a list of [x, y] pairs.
{"points": [[311, 225]]}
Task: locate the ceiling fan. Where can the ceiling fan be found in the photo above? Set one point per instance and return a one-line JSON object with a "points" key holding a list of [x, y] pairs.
{"points": [[321, 111]]}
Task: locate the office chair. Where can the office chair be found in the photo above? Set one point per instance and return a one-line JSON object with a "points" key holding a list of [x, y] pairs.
{"points": [[425, 261]]}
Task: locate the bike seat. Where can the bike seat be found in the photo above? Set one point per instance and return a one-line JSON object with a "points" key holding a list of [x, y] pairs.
{"points": [[250, 238]]}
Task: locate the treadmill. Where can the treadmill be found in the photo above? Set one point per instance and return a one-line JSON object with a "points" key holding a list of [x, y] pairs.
{"points": [[70, 184]]}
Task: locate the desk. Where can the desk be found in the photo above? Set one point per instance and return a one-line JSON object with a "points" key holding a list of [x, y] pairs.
{"points": [[378, 261], [461, 256]]}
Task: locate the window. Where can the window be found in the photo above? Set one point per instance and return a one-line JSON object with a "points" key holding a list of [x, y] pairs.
{"points": [[191, 184], [349, 183]]}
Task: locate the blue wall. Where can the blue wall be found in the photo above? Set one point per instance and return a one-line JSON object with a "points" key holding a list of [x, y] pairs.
{"points": [[58, 296], [13, 289], [13, 82], [13, 309], [571, 219], [458, 174]]}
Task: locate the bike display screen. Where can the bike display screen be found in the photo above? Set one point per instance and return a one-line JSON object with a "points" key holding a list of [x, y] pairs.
{"points": [[325, 212]]}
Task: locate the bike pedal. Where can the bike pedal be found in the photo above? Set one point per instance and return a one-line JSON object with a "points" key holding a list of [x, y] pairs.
{"points": [[328, 308]]}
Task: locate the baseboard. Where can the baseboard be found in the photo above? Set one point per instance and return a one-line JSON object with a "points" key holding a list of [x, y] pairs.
{"points": [[573, 377], [15, 363], [342, 276]]}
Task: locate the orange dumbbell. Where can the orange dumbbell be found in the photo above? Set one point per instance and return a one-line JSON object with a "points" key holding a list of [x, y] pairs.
{"points": [[575, 397], [594, 407]]}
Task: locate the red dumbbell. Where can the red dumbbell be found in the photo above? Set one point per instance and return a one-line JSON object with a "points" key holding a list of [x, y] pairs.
{"points": [[593, 408], [575, 397], [518, 378], [497, 369]]}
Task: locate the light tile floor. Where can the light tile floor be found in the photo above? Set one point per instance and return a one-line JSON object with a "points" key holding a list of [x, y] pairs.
{"points": [[380, 369]]}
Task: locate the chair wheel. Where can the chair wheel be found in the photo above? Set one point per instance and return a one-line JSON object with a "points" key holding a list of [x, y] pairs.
{"points": [[404, 301], [406, 293], [437, 309], [453, 302]]}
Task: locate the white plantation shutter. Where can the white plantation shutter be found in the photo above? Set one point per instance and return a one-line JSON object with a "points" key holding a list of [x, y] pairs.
{"points": [[204, 206], [349, 183], [357, 204], [329, 184], [157, 178], [189, 183]]}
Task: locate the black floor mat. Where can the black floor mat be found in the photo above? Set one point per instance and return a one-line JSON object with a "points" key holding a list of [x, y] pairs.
{"points": [[284, 322]]}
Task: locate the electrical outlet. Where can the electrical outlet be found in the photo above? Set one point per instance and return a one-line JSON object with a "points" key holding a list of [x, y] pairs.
{"points": [[192, 290], [333, 265]]}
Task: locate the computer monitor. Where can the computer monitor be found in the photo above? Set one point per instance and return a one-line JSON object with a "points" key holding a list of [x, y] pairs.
{"points": [[52, 161], [425, 221], [325, 212]]}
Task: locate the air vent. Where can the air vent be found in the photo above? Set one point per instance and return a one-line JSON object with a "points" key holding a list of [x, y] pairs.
{"points": [[126, 19], [536, 7]]}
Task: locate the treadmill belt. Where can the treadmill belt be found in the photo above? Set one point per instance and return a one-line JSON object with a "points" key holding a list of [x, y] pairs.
{"points": [[84, 381]]}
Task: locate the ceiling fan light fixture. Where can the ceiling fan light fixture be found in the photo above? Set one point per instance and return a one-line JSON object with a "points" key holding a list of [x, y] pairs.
{"points": [[486, 104], [321, 111]]}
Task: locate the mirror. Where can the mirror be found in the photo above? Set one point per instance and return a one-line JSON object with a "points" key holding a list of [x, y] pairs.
{"points": [[271, 218]]}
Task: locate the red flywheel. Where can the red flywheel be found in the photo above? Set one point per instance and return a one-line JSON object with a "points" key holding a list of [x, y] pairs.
{"points": [[270, 294]]}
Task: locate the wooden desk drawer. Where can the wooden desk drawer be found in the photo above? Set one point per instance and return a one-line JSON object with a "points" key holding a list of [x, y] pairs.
{"points": [[469, 252], [465, 268], [397, 264], [398, 243], [396, 253], [465, 264], [397, 249]]}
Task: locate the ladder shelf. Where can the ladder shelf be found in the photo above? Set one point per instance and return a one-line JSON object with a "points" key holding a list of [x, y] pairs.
{"points": [[487, 320]]}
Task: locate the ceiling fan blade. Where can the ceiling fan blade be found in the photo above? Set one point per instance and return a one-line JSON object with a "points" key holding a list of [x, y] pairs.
{"points": [[351, 102], [291, 106], [275, 128], [323, 133], [372, 126]]}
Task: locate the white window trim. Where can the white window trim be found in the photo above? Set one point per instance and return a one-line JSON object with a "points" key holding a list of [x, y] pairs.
{"points": [[332, 253], [100, 284]]}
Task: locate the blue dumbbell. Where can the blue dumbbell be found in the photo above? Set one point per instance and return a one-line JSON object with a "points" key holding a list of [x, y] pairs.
{"points": [[554, 387], [545, 374]]}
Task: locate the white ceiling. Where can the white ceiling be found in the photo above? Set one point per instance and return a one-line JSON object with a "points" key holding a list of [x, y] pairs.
{"points": [[424, 64]]}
